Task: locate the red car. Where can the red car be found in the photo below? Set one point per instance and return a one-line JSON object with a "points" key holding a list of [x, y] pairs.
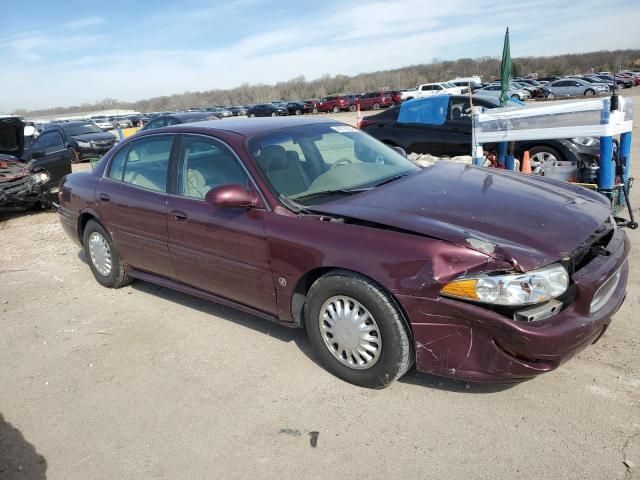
{"points": [[396, 96], [375, 101], [312, 223], [334, 103]]}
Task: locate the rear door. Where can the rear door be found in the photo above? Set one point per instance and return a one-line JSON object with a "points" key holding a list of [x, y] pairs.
{"points": [[420, 126], [55, 159], [219, 250], [132, 203]]}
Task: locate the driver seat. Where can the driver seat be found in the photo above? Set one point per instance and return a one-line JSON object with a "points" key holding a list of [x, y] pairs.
{"points": [[284, 171]]}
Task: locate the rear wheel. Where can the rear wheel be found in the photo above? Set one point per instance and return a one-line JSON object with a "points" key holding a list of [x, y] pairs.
{"points": [[589, 92], [541, 154], [352, 108], [515, 96], [252, 115], [274, 114], [357, 330], [376, 106], [298, 111], [104, 260]]}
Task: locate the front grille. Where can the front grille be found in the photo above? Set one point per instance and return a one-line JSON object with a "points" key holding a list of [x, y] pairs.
{"points": [[593, 247]]}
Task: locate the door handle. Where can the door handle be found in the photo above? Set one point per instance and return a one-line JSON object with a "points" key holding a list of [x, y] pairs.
{"points": [[179, 215], [104, 197]]}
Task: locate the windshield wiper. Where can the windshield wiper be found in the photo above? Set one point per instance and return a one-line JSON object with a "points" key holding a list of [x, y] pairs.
{"points": [[324, 193], [391, 179]]}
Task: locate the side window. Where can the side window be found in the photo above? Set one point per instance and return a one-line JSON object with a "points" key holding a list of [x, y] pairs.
{"points": [[158, 123], [438, 87], [205, 164], [144, 163], [49, 140], [425, 88], [171, 121]]}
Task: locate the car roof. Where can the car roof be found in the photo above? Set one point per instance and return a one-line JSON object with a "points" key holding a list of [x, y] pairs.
{"points": [[250, 126]]}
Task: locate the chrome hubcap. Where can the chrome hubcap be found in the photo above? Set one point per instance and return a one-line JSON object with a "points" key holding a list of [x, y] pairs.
{"points": [[100, 254], [539, 159], [350, 332]]}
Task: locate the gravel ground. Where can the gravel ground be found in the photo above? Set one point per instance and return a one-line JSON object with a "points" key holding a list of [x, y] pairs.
{"points": [[144, 382]]}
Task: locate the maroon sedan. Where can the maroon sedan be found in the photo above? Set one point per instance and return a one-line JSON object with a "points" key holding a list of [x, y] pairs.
{"points": [[312, 223]]}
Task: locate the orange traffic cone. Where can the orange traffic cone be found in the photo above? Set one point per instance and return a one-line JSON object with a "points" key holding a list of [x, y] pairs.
{"points": [[358, 115], [526, 163]]}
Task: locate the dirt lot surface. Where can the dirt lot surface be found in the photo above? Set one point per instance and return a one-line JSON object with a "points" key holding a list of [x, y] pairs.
{"points": [[143, 382]]}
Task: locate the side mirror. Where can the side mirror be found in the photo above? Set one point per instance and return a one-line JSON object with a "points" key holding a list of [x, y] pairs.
{"points": [[401, 151], [37, 154], [231, 196]]}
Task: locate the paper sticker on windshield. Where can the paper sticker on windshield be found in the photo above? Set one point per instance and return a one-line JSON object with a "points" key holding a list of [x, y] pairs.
{"points": [[343, 129]]}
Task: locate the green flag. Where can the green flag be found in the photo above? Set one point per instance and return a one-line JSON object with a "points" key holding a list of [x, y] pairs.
{"points": [[505, 70]]}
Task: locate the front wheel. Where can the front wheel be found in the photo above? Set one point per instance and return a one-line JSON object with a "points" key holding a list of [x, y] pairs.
{"points": [[103, 258], [376, 106], [357, 330], [336, 109], [274, 114], [589, 93], [75, 156], [298, 111], [352, 108]]}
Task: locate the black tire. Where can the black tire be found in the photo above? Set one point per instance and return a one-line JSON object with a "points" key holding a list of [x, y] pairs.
{"points": [[336, 109], [376, 106], [352, 108], [75, 156], [274, 114], [396, 355], [118, 276], [298, 111], [252, 115], [545, 149], [589, 92], [516, 96]]}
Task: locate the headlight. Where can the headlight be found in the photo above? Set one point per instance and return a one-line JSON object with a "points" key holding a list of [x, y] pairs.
{"points": [[83, 144], [585, 141], [512, 289], [40, 177]]}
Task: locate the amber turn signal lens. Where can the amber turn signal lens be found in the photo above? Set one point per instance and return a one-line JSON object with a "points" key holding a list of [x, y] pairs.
{"points": [[461, 289]]}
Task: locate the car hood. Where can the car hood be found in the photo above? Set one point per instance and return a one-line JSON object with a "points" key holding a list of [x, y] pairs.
{"points": [[11, 136], [527, 221], [87, 137]]}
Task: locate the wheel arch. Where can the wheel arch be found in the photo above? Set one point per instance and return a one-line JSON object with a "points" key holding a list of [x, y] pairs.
{"points": [[83, 219], [300, 291]]}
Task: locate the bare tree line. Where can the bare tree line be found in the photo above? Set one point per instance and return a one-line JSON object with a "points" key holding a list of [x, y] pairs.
{"points": [[299, 88]]}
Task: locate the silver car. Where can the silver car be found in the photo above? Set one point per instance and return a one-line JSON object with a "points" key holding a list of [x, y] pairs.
{"points": [[495, 89], [575, 87]]}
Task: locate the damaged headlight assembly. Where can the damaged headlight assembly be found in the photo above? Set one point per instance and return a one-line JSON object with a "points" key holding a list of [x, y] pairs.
{"points": [[514, 289], [40, 177]]}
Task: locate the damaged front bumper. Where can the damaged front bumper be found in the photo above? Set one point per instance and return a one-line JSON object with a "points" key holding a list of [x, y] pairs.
{"points": [[470, 342], [21, 188]]}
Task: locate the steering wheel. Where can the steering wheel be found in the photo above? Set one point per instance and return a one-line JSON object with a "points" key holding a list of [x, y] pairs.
{"points": [[342, 161]]}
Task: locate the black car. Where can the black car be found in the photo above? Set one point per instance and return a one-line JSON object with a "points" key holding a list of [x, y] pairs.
{"points": [[267, 110], [177, 118], [85, 140], [29, 176], [447, 132], [138, 120], [536, 88], [299, 108]]}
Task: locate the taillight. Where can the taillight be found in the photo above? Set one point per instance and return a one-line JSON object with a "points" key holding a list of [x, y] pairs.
{"points": [[366, 123]]}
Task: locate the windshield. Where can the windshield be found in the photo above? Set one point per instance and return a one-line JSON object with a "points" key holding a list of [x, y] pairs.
{"points": [[307, 160], [73, 130]]}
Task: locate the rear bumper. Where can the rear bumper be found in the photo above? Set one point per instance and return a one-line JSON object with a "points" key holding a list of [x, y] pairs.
{"points": [[69, 222], [469, 342]]}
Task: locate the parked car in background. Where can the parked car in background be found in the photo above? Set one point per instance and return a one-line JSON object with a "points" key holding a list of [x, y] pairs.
{"points": [[311, 223], [575, 87], [375, 101], [84, 140], [428, 89], [443, 128], [28, 176], [104, 124], [549, 78], [299, 108], [396, 96], [237, 110], [122, 122], [536, 89], [138, 120], [607, 83], [495, 90], [219, 112], [177, 119], [313, 104], [267, 110], [334, 103], [474, 81]]}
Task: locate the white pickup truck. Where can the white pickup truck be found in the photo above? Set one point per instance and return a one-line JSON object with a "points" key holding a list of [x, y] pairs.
{"points": [[429, 89]]}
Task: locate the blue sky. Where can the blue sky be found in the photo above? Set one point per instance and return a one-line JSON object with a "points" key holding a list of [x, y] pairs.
{"points": [[64, 53]]}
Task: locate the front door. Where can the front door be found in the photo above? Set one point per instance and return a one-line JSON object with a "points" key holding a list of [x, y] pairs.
{"points": [[52, 156], [132, 203], [219, 250]]}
